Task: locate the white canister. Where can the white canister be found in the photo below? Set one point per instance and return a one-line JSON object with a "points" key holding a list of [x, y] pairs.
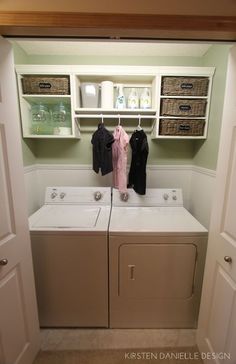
{"points": [[107, 95]]}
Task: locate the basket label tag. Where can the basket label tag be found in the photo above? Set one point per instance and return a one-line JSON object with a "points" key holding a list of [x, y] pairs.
{"points": [[185, 107], [184, 127], [45, 85], [186, 86]]}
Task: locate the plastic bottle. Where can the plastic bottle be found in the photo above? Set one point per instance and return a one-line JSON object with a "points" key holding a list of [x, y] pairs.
{"points": [[120, 100], [145, 99], [133, 101]]}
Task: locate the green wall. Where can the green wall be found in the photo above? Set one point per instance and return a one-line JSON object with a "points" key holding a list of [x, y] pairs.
{"points": [[29, 151], [201, 153], [205, 153], [28, 145], [20, 56], [113, 60]]}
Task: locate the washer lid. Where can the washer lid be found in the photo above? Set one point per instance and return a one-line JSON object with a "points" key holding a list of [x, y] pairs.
{"points": [[66, 216]]}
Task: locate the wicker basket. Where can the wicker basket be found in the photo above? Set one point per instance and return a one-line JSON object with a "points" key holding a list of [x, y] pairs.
{"points": [[183, 107], [181, 127], [46, 85], [185, 86]]}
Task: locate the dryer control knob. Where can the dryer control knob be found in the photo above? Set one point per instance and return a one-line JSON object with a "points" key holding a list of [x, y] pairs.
{"points": [[165, 196], [124, 196], [97, 195], [62, 195], [174, 197]]}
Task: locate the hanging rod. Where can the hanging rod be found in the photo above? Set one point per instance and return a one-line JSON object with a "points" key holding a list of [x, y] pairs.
{"points": [[118, 116], [129, 129]]}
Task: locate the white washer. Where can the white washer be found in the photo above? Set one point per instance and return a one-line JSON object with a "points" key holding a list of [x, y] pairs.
{"points": [[156, 261], [70, 254]]}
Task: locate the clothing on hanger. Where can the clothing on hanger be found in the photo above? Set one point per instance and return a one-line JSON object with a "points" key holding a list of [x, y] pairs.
{"points": [[102, 141], [119, 158], [137, 173]]}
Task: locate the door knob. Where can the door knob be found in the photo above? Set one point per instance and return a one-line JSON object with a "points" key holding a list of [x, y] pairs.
{"points": [[3, 262], [227, 259]]}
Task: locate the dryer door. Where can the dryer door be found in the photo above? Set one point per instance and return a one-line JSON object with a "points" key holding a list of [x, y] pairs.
{"points": [[159, 271], [155, 281]]}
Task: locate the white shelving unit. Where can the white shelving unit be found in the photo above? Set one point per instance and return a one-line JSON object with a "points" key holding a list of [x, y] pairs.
{"points": [[47, 129], [86, 119], [129, 77], [186, 72]]}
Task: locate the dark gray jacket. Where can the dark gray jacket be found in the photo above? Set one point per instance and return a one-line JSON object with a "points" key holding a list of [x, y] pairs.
{"points": [[137, 173], [102, 141]]}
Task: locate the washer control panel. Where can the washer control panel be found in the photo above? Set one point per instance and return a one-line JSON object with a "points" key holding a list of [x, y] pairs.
{"points": [[78, 195]]}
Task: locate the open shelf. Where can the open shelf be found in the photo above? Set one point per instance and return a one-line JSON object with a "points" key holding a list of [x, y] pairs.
{"points": [[138, 77]]}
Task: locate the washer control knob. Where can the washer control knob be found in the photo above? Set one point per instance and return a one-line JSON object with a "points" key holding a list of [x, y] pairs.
{"points": [[165, 196], [97, 195], [53, 195], [62, 195], [174, 197]]}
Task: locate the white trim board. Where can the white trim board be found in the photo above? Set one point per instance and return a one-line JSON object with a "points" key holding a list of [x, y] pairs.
{"points": [[208, 172], [38, 166]]}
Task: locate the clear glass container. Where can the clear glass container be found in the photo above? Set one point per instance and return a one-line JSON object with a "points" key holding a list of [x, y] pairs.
{"points": [[60, 114], [40, 117], [61, 120]]}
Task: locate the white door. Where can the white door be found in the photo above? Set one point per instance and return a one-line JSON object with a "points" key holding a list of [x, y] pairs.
{"points": [[19, 329], [217, 320]]}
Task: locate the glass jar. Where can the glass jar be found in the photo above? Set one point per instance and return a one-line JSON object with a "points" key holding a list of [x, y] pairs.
{"points": [[40, 117], [61, 115], [61, 120]]}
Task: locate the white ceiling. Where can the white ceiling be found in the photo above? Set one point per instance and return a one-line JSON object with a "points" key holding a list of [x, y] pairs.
{"points": [[111, 48]]}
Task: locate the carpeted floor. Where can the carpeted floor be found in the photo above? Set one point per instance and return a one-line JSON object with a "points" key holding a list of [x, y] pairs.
{"points": [[186, 355]]}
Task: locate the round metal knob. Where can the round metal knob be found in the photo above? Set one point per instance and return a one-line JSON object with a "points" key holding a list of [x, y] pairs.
{"points": [[227, 259], [165, 196], [124, 196], [174, 197], [97, 195], [62, 195], [53, 195], [3, 262]]}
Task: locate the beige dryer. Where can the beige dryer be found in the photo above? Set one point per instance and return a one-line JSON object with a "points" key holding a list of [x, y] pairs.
{"points": [[156, 261]]}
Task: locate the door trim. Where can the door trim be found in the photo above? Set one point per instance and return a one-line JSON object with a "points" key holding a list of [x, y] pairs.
{"points": [[111, 25]]}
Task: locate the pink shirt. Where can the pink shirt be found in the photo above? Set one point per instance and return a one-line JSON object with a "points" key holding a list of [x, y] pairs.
{"points": [[119, 158]]}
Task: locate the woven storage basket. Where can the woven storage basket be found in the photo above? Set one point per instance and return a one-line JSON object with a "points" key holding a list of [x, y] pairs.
{"points": [[46, 85], [181, 127], [183, 107], [185, 86]]}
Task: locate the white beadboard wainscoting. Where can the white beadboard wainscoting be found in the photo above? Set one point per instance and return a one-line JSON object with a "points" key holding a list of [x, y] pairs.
{"points": [[201, 193], [197, 183]]}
